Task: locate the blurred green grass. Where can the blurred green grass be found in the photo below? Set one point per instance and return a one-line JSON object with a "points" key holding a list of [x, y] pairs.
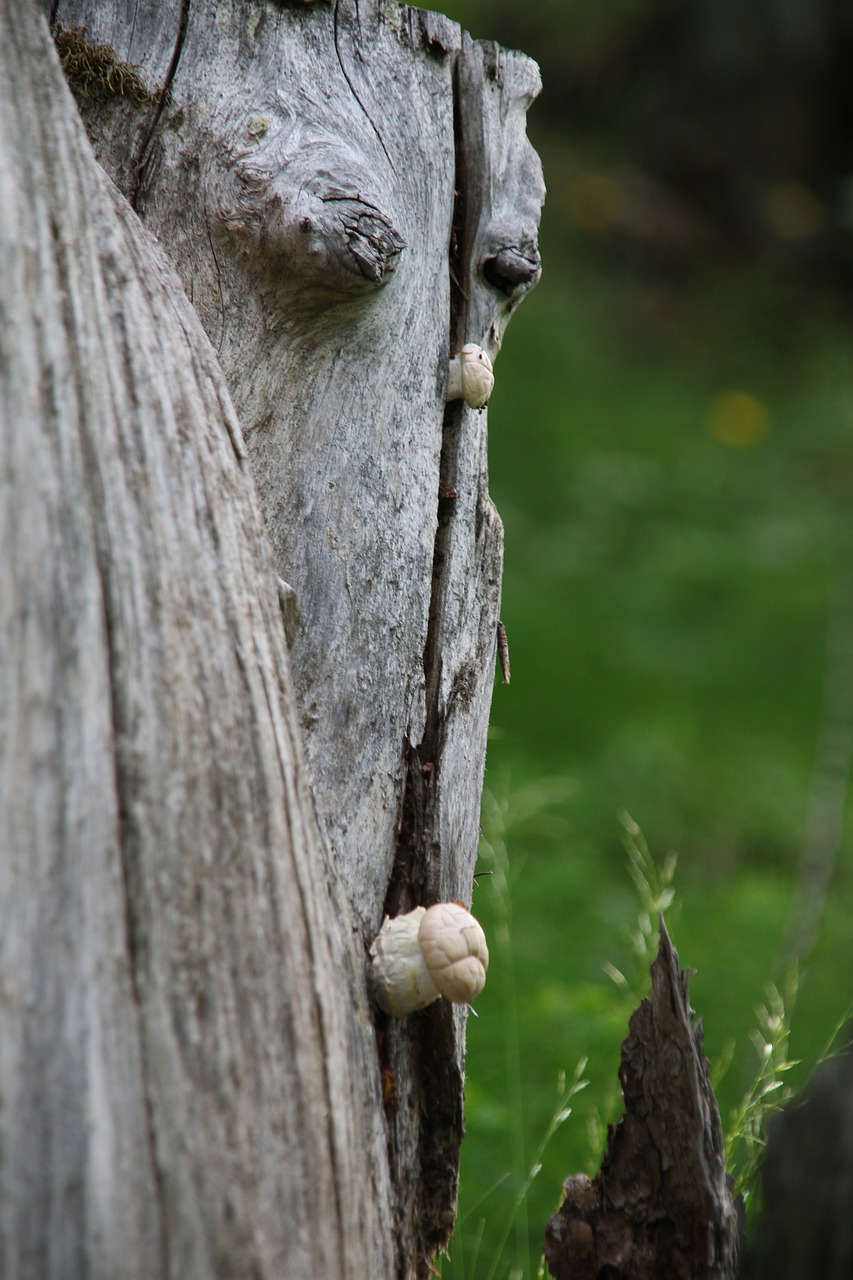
{"points": [[670, 452], [666, 597]]}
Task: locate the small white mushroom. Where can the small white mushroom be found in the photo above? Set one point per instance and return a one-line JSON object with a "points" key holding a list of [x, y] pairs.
{"points": [[470, 377], [427, 953]]}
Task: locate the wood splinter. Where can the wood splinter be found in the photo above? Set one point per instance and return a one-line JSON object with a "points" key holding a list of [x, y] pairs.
{"points": [[503, 652]]}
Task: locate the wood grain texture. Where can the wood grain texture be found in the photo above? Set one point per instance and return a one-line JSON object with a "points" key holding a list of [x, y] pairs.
{"points": [[144, 38], [496, 170], [186, 1053], [283, 124], [305, 179], [143, 33], [660, 1207], [347, 194]]}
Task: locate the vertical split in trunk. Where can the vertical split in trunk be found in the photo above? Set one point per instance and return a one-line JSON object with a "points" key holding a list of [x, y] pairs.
{"points": [[424, 1055], [497, 198]]}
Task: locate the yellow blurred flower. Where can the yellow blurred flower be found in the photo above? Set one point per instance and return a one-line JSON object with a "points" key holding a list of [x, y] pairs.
{"points": [[738, 420]]}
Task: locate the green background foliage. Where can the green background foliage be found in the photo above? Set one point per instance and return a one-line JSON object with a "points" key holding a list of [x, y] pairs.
{"points": [[670, 448]]}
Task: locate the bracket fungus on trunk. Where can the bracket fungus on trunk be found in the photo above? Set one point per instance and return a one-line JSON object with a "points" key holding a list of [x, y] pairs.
{"points": [[427, 953]]}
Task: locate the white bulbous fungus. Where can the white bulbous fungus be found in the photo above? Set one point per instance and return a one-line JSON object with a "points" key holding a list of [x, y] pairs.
{"points": [[470, 377], [427, 953]]}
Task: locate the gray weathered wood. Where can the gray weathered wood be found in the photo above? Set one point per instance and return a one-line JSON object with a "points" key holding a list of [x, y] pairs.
{"points": [[347, 195], [339, 384], [187, 1063], [337, 364], [499, 186]]}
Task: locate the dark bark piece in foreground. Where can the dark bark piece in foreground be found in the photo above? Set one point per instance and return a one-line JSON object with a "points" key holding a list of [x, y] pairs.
{"points": [[659, 1208], [806, 1228]]}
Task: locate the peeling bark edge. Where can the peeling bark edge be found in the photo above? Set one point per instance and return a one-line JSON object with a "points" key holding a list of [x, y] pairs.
{"points": [[660, 1207]]}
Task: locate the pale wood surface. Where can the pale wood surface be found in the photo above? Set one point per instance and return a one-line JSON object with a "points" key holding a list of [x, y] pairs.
{"points": [[186, 1053], [346, 194]]}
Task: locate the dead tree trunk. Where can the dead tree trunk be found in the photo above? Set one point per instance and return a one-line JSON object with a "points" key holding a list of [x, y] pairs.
{"points": [[660, 1207], [199, 832]]}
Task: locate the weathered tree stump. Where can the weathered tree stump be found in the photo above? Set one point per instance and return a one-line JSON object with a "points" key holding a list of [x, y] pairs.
{"points": [[223, 390], [660, 1206]]}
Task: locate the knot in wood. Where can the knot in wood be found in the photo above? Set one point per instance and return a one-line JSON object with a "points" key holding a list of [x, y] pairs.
{"points": [[513, 268]]}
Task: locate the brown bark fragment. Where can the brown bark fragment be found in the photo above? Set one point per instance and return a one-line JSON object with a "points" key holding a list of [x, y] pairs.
{"points": [[660, 1207]]}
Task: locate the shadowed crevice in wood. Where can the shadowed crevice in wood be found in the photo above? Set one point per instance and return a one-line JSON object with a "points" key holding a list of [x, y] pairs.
{"points": [[439, 828], [449, 478], [409, 884], [429, 750], [660, 1207], [418, 1059], [424, 1051], [96, 71], [149, 142], [422, 1079]]}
